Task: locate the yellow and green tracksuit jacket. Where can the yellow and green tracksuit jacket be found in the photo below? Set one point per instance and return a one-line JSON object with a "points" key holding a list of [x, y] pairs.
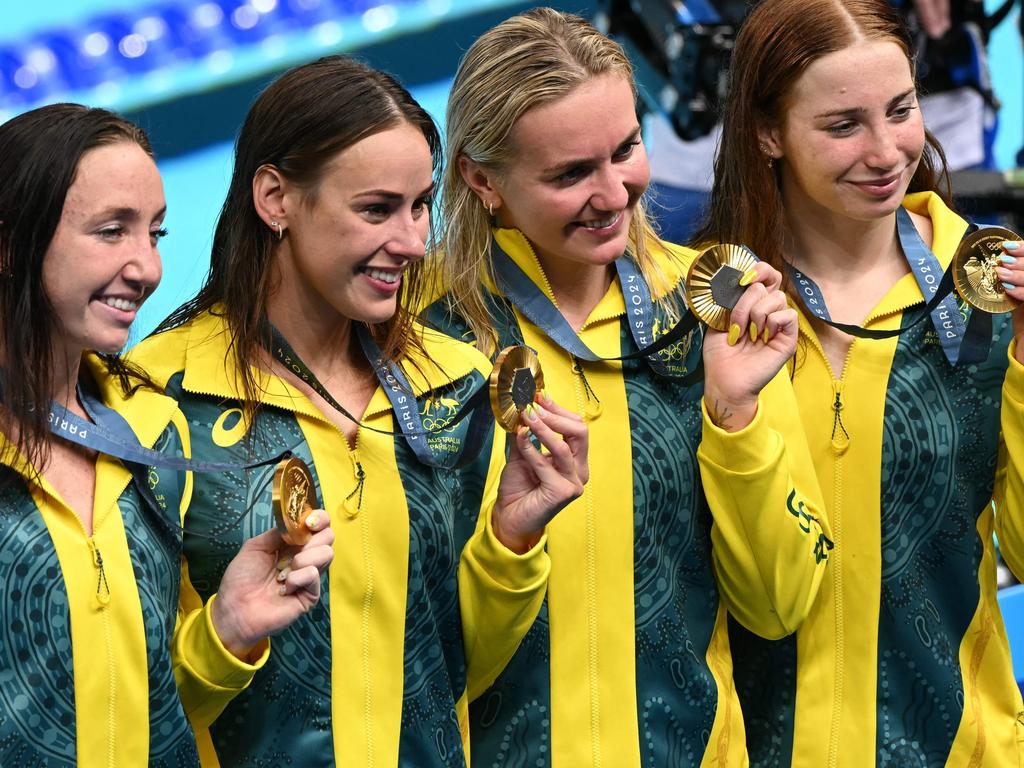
{"points": [[86, 671], [629, 661], [904, 659], [376, 674]]}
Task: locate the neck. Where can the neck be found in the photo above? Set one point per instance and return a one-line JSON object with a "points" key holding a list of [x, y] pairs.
{"points": [[577, 287], [326, 344], [66, 366], [829, 247]]}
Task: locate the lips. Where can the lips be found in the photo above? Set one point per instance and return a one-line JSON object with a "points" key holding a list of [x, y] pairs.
{"points": [[880, 188]]}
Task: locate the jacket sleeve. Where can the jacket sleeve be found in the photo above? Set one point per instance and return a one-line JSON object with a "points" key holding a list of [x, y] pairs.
{"points": [[770, 537], [500, 592], [208, 675], [1009, 486]]}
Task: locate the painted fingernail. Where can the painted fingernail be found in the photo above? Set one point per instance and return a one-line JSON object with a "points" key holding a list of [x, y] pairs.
{"points": [[283, 590], [748, 277], [312, 521], [1007, 258], [753, 331], [531, 412], [767, 337], [545, 396], [1009, 287], [1011, 245], [284, 562], [734, 334], [283, 574]]}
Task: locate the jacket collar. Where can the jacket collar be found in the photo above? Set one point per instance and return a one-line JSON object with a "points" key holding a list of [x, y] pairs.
{"points": [[612, 304], [210, 366], [147, 412]]}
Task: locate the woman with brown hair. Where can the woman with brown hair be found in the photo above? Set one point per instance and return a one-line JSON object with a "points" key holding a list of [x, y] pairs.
{"points": [[94, 637], [690, 511], [301, 339], [827, 173]]}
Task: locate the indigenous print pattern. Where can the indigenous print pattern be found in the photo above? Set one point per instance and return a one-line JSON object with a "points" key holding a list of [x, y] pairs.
{"points": [[284, 716], [938, 467], [940, 443], [675, 595], [37, 691]]}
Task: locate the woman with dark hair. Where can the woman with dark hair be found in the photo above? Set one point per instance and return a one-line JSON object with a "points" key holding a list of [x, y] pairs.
{"points": [[701, 499], [90, 545], [826, 171], [301, 338]]}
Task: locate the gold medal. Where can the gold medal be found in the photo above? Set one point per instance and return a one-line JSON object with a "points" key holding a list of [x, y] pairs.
{"points": [[294, 497], [974, 270], [514, 382], [713, 282]]}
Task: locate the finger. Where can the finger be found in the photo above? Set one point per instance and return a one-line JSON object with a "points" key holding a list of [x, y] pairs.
{"points": [[317, 520], [782, 323], [765, 274], [548, 402], [772, 302], [576, 435], [307, 579], [561, 454], [319, 557], [740, 315], [541, 467]]}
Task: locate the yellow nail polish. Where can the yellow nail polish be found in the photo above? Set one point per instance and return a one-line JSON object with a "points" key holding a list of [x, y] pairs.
{"points": [[753, 332], [767, 337], [312, 521], [734, 333], [748, 277]]}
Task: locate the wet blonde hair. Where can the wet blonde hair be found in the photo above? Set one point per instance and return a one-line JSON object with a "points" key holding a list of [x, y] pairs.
{"points": [[525, 62]]}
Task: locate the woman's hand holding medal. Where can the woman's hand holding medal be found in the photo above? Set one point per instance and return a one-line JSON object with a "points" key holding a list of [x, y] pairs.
{"points": [[1011, 274], [739, 363], [269, 584], [536, 485]]}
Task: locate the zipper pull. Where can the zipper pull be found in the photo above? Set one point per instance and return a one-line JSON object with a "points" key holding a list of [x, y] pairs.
{"points": [[593, 408], [840, 437], [102, 587], [357, 493]]}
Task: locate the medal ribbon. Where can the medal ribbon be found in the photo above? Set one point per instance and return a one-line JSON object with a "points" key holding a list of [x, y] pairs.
{"points": [[402, 400], [515, 284], [960, 342]]}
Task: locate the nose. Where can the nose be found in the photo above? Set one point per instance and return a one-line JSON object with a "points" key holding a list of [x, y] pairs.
{"points": [[143, 268], [611, 188], [883, 153], [409, 239]]}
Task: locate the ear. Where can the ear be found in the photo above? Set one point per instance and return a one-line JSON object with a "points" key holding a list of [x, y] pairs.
{"points": [[769, 138], [269, 189], [482, 181]]}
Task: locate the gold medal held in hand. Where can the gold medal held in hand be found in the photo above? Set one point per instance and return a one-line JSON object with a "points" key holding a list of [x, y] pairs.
{"points": [[713, 282], [974, 270], [515, 380], [294, 497]]}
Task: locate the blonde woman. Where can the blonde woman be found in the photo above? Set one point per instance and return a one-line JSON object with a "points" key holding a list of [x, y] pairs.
{"points": [[689, 511]]}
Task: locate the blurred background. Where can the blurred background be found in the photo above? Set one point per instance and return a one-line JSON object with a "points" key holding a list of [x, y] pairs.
{"points": [[187, 71]]}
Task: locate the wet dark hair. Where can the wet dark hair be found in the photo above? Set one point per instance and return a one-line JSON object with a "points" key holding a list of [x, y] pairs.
{"points": [[301, 122], [39, 156]]}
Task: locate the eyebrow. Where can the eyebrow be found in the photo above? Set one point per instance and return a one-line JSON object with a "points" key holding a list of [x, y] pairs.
{"points": [[633, 135], [860, 110], [124, 212], [389, 195]]}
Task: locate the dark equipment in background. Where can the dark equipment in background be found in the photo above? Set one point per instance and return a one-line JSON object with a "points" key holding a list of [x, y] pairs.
{"points": [[681, 51]]}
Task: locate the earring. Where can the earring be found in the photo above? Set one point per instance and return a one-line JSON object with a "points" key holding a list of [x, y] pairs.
{"points": [[490, 210], [764, 148], [278, 228]]}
